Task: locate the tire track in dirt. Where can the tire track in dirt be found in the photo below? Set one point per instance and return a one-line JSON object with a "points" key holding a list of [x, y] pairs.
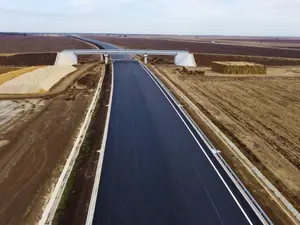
{"points": [[272, 137]]}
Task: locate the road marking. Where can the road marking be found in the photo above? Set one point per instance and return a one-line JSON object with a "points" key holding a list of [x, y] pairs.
{"points": [[208, 194], [215, 151], [92, 204], [224, 182]]}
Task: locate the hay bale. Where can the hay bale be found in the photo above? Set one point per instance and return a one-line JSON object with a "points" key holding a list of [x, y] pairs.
{"points": [[238, 68], [190, 70]]}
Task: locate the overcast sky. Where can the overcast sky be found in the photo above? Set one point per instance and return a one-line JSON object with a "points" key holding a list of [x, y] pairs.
{"points": [[203, 17]]}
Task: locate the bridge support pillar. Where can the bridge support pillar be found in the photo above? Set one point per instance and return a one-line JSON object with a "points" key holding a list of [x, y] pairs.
{"points": [[145, 58], [106, 58]]}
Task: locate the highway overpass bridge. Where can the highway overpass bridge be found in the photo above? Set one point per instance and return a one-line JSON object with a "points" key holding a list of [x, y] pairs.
{"points": [[69, 57]]}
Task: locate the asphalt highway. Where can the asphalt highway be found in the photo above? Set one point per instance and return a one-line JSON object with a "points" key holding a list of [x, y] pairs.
{"points": [[156, 169]]}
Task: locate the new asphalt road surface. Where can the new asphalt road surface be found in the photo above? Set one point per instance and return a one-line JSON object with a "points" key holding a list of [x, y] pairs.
{"points": [[156, 169]]}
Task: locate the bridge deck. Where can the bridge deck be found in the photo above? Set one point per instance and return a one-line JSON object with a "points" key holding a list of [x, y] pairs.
{"points": [[125, 51]]}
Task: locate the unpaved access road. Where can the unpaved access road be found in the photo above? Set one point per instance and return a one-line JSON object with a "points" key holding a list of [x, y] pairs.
{"points": [[259, 114], [37, 136]]}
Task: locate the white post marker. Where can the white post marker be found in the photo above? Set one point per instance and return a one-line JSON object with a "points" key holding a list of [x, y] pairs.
{"points": [[145, 58], [106, 58]]}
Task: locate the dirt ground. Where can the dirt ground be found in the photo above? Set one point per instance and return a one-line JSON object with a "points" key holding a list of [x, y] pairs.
{"points": [[268, 42], [36, 136], [74, 207], [259, 114], [31, 43], [7, 69], [205, 59], [28, 59]]}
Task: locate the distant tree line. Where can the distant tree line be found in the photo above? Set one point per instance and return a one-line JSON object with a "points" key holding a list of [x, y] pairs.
{"points": [[12, 33]]}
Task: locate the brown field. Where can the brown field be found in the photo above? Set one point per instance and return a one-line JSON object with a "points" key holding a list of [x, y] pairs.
{"points": [[36, 136], [18, 50], [7, 69], [202, 47], [259, 114], [28, 59], [74, 209], [203, 59], [267, 42], [20, 44]]}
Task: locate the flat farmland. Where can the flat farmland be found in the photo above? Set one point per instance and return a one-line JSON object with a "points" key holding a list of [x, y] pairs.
{"points": [[7, 69], [258, 113], [28, 59], [268, 42], [30, 43], [206, 59], [195, 47]]}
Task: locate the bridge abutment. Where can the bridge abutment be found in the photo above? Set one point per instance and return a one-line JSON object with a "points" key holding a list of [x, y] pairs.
{"points": [[66, 58], [185, 59]]}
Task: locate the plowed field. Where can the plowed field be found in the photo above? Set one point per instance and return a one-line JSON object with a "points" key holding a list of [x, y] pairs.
{"points": [[199, 47], [20, 43]]}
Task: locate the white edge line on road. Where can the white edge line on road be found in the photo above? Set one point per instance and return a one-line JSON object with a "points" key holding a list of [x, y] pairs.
{"points": [[92, 205], [237, 202]]}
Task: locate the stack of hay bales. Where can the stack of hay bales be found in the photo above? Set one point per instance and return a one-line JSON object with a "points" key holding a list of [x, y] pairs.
{"points": [[238, 68], [190, 70]]}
